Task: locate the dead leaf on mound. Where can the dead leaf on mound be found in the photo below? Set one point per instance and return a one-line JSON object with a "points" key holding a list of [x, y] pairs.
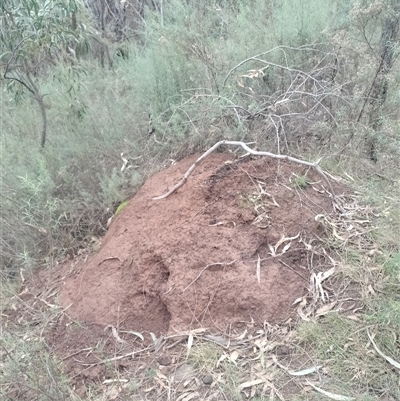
{"points": [[112, 393], [109, 381], [242, 336], [329, 224], [189, 345], [316, 281], [262, 220], [158, 342], [135, 333], [233, 357], [115, 333], [282, 240], [256, 382], [302, 311], [353, 317], [323, 310], [221, 359]]}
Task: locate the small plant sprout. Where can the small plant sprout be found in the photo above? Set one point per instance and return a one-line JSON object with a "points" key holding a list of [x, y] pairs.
{"points": [[301, 181]]}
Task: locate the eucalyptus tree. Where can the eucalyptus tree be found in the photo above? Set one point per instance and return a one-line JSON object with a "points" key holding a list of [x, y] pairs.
{"points": [[34, 35], [378, 27]]}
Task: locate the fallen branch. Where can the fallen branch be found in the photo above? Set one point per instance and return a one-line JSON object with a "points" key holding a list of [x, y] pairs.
{"points": [[314, 165]]}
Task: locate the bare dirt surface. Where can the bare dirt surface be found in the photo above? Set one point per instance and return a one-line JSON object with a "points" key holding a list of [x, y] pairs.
{"points": [[228, 251], [190, 260]]}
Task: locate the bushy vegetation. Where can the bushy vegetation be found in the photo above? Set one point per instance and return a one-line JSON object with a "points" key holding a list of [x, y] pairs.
{"points": [[198, 72], [83, 89]]}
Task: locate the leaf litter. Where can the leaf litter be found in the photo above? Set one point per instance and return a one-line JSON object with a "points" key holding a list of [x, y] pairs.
{"points": [[248, 346]]}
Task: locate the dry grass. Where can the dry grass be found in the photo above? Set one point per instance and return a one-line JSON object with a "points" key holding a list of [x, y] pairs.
{"points": [[352, 310]]}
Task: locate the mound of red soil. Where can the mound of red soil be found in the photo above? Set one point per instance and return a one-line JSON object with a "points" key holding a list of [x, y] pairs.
{"points": [[208, 255]]}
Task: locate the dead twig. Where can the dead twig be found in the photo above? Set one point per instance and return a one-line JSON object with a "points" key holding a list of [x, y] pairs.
{"points": [[204, 268], [314, 165], [76, 353], [293, 270], [117, 358], [110, 258]]}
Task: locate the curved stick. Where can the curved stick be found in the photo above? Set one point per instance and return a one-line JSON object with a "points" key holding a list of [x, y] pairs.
{"points": [[314, 165]]}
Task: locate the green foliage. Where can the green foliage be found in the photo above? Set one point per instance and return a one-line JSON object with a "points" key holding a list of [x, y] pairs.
{"points": [[121, 207], [28, 370], [386, 312], [301, 181], [392, 265], [35, 29], [178, 75], [292, 76], [34, 35], [336, 339]]}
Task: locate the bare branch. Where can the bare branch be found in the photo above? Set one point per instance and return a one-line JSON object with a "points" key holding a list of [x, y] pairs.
{"points": [[281, 48], [313, 165]]}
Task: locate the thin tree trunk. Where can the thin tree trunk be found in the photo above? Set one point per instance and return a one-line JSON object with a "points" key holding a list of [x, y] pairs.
{"points": [[378, 93], [39, 99]]}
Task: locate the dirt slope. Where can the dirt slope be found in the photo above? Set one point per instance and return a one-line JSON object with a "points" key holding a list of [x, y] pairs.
{"points": [[191, 260]]}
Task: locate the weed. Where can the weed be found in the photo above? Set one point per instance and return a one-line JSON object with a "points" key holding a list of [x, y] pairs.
{"points": [[133, 385], [204, 357], [392, 265], [150, 373], [301, 181], [121, 207], [29, 371], [230, 385]]}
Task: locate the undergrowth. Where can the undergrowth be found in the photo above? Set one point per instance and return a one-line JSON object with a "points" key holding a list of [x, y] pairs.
{"points": [[191, 80]]}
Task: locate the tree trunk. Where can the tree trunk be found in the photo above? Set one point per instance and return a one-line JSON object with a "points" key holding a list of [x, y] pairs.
{"points": [[39, 99], [378, 93]]}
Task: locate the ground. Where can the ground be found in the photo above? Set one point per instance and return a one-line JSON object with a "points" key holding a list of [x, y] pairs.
{"points": [[230, 252]]}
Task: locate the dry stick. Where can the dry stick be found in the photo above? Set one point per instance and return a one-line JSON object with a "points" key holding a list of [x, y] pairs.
{"points": [[204, 268], [76, 353], [117, 358], [201, 210], [314, 165], [282, 48], [110, 258], [293, 270]]}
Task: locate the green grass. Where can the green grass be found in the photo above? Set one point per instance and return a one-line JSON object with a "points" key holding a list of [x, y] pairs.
{"points": [[121, 207], [204, 356], [301, 181], [392, 265], [342, 345], [29, 370]]}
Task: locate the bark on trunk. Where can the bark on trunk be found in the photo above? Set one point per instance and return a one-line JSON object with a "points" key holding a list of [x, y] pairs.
{"points": [[378, 94]]}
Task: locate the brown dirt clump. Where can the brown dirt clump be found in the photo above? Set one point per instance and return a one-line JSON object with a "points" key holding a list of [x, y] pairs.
{"points": [[190, 260]]}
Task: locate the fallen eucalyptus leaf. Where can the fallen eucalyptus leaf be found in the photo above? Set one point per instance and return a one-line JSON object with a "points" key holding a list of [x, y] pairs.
{"points": [[324, 309], [135, 333], [189, 345], [330, 395], [250, 384], [388, 358], [115, 333], [303, 372]]}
